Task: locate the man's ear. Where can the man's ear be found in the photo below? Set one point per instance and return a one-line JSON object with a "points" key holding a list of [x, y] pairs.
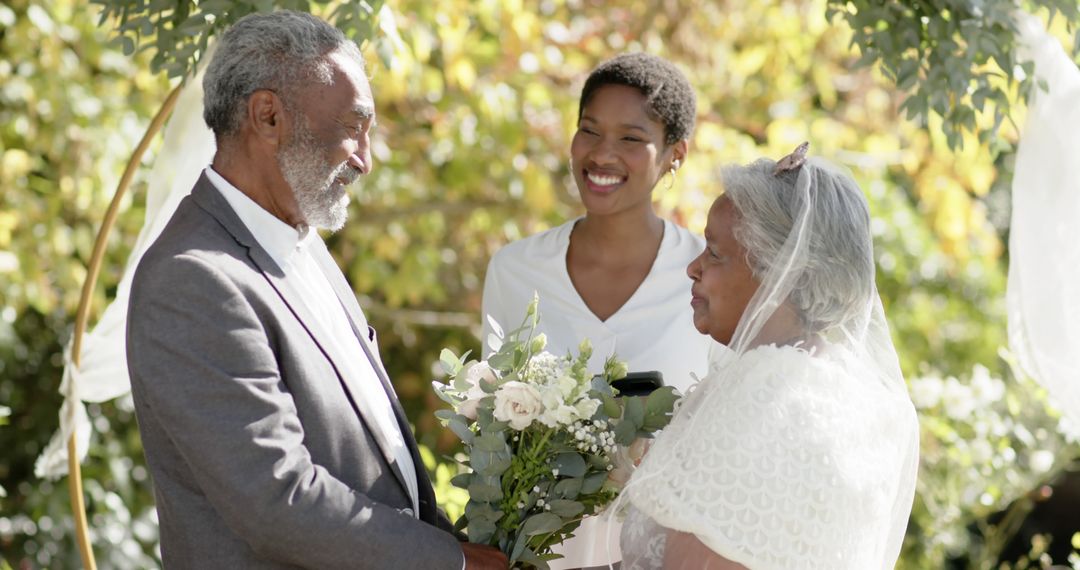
{"points": [[266, 114]]}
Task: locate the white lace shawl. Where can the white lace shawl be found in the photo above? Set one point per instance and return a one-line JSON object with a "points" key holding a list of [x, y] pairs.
{"points": [[779, 460]]}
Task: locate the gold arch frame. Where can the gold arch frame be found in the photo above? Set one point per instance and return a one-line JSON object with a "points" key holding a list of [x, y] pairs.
{"points": [[82, 315]]}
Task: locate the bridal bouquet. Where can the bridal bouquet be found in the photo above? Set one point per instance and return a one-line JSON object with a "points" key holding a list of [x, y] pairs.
{"points": [[541, 435]]}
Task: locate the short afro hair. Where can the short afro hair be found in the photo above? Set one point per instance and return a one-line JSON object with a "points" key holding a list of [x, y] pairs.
{"points": [[669, 97]]}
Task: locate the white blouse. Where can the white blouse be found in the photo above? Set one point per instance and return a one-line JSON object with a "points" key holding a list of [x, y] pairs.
{"points": [[653, 330]]}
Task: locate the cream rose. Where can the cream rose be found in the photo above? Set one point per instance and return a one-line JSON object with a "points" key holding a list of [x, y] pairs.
{"points": [[586, 407], [517, 403]]}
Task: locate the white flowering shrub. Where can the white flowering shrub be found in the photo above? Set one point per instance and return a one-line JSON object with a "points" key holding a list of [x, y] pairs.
{"points": [[988, 445]]}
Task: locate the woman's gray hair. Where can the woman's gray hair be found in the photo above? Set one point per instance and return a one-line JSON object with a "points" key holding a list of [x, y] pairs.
{"points": [[280, 51], [836, 279]]}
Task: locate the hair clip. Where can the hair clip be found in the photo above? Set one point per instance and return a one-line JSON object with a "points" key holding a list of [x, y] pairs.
{"points": [[792, 161]]}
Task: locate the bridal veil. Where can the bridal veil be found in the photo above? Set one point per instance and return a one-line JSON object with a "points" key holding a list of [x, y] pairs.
{"points": [[788, 454]]}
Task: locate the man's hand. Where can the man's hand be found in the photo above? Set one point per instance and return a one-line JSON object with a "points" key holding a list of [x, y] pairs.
{"points": [[479, 557]]}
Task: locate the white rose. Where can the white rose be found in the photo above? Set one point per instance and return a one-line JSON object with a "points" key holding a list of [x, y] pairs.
{"points": [[551, 396], [555, 410], [469, 407], [517, 403], [586, 407], [473, 373], [567, 385], [559, 415]]}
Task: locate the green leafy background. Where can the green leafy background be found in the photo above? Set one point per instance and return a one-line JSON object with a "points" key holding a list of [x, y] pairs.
{"points": [[476, 103]]}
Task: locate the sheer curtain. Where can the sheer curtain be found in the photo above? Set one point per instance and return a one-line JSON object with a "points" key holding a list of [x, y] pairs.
{"points": [[1044, 243], [187, 147]]}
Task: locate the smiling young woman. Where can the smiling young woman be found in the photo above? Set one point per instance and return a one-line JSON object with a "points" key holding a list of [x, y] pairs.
{"points": [[617, 274]]}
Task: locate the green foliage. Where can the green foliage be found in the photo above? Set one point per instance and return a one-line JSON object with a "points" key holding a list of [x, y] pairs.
{"points": [[177, 32], [71, 111], [956, 59]]}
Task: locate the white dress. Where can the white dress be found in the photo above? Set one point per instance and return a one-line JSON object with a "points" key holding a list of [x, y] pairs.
{"points": [[779, 460], [653, 330]]}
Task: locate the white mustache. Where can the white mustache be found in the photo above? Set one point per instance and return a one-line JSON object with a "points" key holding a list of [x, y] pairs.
{"points": [[346, 173]]}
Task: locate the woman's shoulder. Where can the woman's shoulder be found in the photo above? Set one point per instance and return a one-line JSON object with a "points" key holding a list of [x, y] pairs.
{"points": [[822, 382], [548, 245], [680, 245]]}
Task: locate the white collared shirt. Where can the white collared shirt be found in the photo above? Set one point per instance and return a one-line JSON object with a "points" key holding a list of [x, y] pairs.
{"points": [[292, 250], [653, 330]]}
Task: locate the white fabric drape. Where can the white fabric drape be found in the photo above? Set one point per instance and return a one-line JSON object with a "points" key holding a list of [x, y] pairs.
{"points": [[187, 147], [1044, 255]]}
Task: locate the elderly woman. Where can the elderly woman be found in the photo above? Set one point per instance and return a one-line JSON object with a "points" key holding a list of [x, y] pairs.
{"points": [[615, 275], [799, 449]]}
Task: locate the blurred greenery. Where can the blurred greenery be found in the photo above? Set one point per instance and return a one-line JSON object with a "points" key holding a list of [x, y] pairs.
{"points": [[477, 102], [957, 59]]}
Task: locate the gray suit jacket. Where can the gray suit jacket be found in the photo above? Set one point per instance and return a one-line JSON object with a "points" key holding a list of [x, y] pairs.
{"points": [[260, 450]]}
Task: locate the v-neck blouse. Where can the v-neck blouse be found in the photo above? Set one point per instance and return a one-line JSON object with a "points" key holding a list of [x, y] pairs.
{"points": [[653, 330]]}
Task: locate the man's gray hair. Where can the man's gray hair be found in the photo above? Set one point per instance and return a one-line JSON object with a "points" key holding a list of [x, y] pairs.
{"points": [[835, 278], [280, 51]]}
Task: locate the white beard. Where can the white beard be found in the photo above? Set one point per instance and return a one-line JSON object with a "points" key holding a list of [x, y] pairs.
{"points": [[319, 187]]}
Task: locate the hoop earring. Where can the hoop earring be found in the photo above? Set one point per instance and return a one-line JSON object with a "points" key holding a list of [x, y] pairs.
{"points": [[671, 179]]}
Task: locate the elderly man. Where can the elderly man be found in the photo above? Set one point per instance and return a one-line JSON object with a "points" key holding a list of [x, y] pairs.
{"points": [[271, 430]]}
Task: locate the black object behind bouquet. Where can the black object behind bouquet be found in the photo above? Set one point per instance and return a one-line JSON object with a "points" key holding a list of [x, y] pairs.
{"points": [[639, 383]]}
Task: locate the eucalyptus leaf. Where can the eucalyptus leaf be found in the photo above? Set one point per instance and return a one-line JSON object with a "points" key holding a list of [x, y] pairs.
{"points": [[570, 465], [444, 397], [568, 488], [593, 483], [490, 442], [485, 492], [625, 432], [530, 557], [462, 431], [661, 401], [633, 411], [540, 523], [481, 511], [481, 531], [501, 360], [451, 415], [565, 508], [496, 426], [461, 480], [450, 363], [610, 406], [490, 463], [519, 547]]}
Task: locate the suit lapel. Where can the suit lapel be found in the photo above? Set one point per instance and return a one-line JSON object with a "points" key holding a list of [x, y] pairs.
{"points": [[426, 499], [208, 197]]}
